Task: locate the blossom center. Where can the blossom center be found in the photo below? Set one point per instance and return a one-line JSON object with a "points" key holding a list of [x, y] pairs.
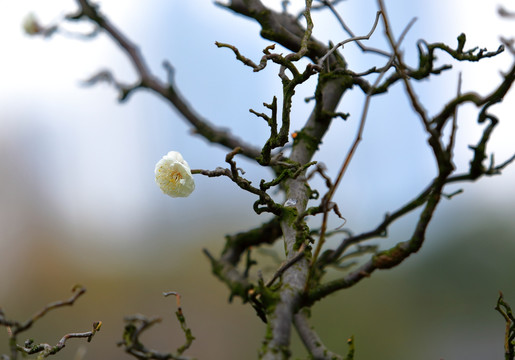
{"points": [[173, 175], [175, 178]]}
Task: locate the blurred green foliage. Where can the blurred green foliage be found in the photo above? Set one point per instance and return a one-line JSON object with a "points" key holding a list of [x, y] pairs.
{"points": [[439, 304]]}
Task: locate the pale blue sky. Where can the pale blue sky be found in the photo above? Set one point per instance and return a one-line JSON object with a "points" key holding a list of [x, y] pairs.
{"points": [[91, 160]]}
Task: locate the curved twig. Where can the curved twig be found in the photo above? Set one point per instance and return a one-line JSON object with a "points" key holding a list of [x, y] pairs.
{"points": [[166, 90]]}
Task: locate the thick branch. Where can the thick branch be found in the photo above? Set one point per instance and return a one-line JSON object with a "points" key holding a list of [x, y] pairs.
{"points": [[282, 28], [296, 276], [237, 244], [311, 339], [496, 96]]}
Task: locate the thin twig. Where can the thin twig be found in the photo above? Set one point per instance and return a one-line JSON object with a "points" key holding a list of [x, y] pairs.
{"points": [[454, 128], [45, 350], [328, 197], [182, 320], [400, 66], [77, 292], [166, 90], [286, 264], [306, 36], [363, 48], [352, 39]]}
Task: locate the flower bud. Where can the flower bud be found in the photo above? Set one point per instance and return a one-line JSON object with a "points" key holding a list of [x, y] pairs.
{"points": [[31, 25]]}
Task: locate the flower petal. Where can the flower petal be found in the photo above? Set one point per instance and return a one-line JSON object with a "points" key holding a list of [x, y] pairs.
{"points": [[173, 175]]}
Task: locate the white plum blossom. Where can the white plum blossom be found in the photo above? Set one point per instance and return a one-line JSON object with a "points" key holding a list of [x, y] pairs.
{"points": [[173, 175]]}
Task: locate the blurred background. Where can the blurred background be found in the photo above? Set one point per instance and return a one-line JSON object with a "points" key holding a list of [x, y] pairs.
{"points": [[78, 202]]}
